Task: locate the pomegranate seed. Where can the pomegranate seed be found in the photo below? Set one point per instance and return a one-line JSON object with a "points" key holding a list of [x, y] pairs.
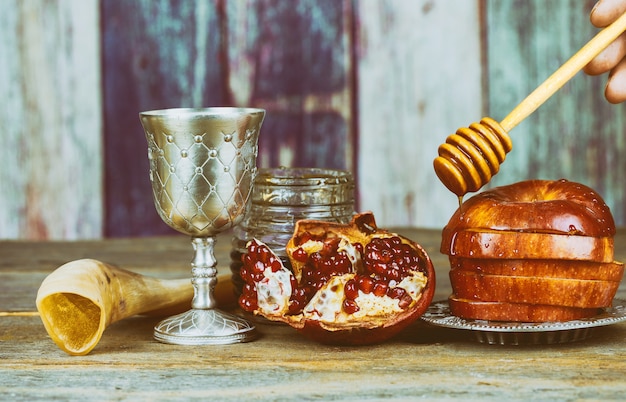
{"points": [[276, 265], [396, 293], [393, 274], [247, 259], [317, 285], [350, 306], [249, 288], [244, 274], [376, 267], [380, 288], [248, 303], [252, 247], [297, 301], [351, 289], [330, 247], [405, 301], [300, 255], [309, 291], [258, 268], [365, 283], [264, 254], [316, 260]]}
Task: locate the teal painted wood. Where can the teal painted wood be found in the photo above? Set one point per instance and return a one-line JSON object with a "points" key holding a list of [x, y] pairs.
{"points": [[576, 134], [419, 79], [318, 68], [50, 121]]}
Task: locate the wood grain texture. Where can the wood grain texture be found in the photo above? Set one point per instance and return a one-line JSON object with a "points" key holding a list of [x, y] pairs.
{"points": [[373, 86], [419, 79], [422, 362], [50, 117], [156, 54], [294, 60], [576, 134], [289, 60]]}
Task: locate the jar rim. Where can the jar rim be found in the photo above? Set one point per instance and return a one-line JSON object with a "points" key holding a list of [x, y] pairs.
{"points": [[300, 176]]}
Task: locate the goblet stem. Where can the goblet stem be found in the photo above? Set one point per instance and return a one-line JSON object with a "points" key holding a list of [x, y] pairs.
{"points": [[204, 273], [204, 324]]}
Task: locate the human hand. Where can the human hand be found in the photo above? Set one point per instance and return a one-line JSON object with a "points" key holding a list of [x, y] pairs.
{"points": [[612, 59]]}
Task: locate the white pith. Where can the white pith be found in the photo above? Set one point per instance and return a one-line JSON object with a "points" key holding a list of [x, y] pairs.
{"points": [[326, 305], [274, 291]]}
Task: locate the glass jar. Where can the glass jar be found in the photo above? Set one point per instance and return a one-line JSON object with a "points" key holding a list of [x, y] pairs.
{"points": [[282, 196]]}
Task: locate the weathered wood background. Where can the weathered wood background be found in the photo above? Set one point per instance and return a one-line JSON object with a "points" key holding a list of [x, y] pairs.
{"points": [[373, 86]]}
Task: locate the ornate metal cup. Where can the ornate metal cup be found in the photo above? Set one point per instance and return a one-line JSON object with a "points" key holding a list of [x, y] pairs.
{"points": [[202, 166]]}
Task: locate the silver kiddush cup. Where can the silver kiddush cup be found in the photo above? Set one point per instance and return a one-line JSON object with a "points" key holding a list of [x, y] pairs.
{"points": [[202, 169]]}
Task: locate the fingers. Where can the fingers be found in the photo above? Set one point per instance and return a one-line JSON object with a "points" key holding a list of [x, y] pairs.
{"points": [[607, 11], [615, 91], [613, 57], [608, 58]]}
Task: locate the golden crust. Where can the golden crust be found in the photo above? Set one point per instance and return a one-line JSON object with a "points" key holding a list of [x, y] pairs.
{"points": [[547, 268], [533, 290], [516, 312], [484, 244], [536, 250], [536, 206]]}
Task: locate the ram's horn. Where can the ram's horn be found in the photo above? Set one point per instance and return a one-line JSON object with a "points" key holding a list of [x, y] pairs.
{"points": [[80, 299]]}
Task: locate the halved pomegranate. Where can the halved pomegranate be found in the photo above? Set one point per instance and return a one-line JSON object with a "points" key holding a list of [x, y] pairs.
{"points": [[348, 284]]}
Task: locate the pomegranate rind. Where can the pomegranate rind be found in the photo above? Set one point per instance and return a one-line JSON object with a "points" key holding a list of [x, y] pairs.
{"points": [[367, 329]]}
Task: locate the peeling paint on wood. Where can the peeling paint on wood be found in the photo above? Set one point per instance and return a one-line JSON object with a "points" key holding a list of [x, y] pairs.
{"points": [[576, 134], [419, 80], [374, 86], [50, 119]]}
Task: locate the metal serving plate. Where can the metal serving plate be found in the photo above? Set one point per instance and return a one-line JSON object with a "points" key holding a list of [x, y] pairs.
{"points": [[519, 333]]}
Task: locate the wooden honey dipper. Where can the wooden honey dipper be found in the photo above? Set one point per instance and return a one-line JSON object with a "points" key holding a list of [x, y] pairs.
{"points": [[472, 156]]}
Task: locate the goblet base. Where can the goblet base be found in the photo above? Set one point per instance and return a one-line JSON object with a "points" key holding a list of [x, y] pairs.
{"points": [[204, 327]]}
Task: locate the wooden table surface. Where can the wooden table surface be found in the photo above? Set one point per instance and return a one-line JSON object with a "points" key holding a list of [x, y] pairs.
{"points": [[423, 361]]}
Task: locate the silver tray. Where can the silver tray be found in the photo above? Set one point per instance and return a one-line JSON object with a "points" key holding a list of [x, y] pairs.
{"points": [[520, 333]]}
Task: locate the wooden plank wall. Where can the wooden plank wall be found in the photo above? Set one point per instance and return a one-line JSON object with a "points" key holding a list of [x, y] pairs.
{"points": [[576, 134], [373, 86], [50, 120]]}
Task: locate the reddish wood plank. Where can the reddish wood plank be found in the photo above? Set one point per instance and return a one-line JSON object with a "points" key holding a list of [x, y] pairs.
{"points": [[293, 61], [156, 54]]}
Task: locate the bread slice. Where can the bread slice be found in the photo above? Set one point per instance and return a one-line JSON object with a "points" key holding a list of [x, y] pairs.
{"points": [[548, 268], [536, 206], [520, 245], [533, 290], [516, 312]]}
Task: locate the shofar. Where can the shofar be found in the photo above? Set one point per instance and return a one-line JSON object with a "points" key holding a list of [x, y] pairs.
{"points": [[80, 299]]}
